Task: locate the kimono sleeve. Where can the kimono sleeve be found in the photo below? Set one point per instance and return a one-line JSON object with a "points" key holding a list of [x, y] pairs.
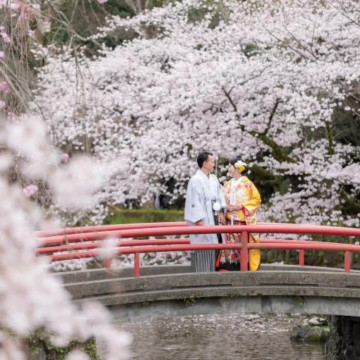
{"points": [[220, 195], [254, 200], [194, 208]]}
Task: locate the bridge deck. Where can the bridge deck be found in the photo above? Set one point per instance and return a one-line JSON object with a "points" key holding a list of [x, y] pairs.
{"points": [[103, 273], [175, 290]]}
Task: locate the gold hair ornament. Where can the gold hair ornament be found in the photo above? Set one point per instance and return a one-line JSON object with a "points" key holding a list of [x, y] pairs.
{"points": [[240, 166]]}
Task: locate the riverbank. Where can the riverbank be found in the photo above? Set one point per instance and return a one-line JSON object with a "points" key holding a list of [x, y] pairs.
{"points": [[144, 215]]}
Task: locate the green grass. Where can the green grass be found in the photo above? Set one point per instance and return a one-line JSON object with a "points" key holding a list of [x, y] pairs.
{"points": [[129, 216]]}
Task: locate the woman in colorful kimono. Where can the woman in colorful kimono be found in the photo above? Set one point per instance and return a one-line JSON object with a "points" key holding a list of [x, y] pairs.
{"points": [[242, 200]]}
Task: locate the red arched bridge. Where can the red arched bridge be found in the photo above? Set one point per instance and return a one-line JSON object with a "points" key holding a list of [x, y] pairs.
{"points": [[85, 242], [166, 290]]}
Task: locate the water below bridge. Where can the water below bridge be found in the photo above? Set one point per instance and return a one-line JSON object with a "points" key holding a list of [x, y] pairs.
{"points": [[231, 336]]}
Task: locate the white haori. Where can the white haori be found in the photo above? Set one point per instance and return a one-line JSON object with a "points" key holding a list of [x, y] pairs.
{"points": [[202, 192]]}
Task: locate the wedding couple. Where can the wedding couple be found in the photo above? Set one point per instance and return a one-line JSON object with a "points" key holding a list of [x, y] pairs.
{"points": [[234, 203]]}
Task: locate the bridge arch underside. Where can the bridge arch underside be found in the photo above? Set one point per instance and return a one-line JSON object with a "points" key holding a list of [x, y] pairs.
{"points": [[178, 294]]}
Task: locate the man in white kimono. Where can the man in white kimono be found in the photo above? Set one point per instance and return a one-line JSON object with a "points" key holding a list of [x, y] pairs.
{"points": [[204, 198]]}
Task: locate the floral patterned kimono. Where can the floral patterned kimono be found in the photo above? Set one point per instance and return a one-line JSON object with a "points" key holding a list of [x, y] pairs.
{"points": [[240, 192]]}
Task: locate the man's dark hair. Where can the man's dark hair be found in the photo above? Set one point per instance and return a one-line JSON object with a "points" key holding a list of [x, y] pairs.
{"points": [[202, 157]]}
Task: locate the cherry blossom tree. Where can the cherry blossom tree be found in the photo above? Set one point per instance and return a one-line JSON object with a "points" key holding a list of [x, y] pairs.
{"points": [[32, 300], [28, 28], [263, 80], [272, 82]]}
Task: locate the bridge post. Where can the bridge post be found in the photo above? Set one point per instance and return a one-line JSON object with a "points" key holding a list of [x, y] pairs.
{"points": [[107, 263], [136, 264], [301, 257], [244, 251], [347, 261]]}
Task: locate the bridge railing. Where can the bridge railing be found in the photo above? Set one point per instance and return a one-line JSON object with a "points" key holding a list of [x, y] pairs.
{"points": [[99, 228], [72, 244]]}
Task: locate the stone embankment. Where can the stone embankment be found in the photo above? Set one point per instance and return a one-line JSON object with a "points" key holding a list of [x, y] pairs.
{"points": [[315, 329]]}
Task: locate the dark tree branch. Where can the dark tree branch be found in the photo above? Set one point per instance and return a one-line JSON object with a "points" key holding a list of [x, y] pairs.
{"points": [[227, 94], [273, 111], [277, 151]]}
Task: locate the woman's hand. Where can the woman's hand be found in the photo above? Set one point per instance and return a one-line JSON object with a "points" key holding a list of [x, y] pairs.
{"points": [[235, 207]]}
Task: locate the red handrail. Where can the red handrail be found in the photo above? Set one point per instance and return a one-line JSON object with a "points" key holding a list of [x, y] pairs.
{"points": [[185, 230], [162, 245], [87, 229], [187, 247], [95, 245]]}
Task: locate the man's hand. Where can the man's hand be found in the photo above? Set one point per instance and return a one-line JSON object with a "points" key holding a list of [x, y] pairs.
{"points": [[200, 223], [221, 218]]}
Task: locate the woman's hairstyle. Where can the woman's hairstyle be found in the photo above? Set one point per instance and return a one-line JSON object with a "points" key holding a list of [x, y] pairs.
{"points": [[202, 157], [239, 165]]}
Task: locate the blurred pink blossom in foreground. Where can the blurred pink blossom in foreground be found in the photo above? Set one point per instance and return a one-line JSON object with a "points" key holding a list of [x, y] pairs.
{"points": [[5, 37], [14, 6], [64, 158], [30, 190], [28, 302], [4, 87], [102, 1]]}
